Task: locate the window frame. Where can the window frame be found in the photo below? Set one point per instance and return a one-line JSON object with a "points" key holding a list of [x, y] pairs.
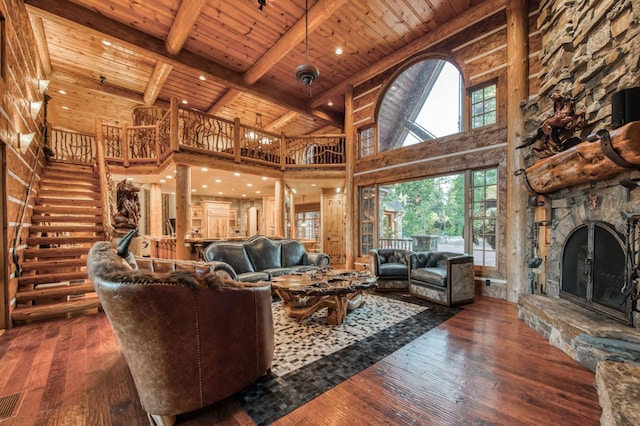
{"points": [[470, 103]]}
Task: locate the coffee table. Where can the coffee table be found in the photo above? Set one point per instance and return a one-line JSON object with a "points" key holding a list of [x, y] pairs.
{"points": [[340, 291]]}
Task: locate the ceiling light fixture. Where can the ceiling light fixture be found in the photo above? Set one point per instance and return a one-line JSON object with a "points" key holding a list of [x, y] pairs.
{"points": [[307, 73]]}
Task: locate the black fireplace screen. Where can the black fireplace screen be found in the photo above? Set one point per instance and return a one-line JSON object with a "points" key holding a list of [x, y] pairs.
{"points": [[593, 269]]}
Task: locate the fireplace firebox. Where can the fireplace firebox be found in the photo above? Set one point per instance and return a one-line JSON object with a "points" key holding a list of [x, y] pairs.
{"points": [[593, 270]]}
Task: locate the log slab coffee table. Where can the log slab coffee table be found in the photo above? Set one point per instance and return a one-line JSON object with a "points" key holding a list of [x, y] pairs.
{"points": [[340, 291]]}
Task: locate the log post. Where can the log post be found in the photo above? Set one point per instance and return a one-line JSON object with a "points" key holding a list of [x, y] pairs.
{"points": [[351, 199], [517, 91], [183, 210]]}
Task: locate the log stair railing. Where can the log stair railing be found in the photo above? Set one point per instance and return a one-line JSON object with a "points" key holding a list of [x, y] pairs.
{"points": [[66, 221]]}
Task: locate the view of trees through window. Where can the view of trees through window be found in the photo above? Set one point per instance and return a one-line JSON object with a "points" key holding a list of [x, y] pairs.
{"points": [[433, 207], [435, 210]]}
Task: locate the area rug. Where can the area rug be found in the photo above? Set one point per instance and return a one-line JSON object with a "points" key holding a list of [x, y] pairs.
{"points": [[312, 356]]}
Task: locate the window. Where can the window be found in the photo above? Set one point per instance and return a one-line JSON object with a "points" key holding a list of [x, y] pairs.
{"points": [[424, 102], [308, 221], [366, 142], [484, 191], [483, 106], [367, 219]]}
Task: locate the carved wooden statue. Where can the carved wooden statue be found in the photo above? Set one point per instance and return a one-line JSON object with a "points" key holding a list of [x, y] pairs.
{"points": [[128, 213], [556, 133]]}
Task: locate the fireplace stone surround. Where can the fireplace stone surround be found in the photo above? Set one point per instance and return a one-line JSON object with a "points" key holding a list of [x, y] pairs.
{"points": [[590, 51]]}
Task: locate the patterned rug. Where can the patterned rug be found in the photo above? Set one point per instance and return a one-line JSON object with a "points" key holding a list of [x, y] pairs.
{"points": [[312, 356]]}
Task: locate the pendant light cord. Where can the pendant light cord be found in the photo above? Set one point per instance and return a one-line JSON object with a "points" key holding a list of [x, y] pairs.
{"points": [[306, 26]]}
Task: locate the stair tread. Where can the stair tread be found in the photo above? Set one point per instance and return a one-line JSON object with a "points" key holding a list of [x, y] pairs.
{"points": [[97, 220], [49, 292], [59, 252], [75, 227], [41, 312], [51, 278], [34, 265], [70, 200], [67, 239]]}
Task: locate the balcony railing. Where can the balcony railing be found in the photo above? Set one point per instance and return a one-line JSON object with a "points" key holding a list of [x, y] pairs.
{"points": [[157, 133], [396, 243]]}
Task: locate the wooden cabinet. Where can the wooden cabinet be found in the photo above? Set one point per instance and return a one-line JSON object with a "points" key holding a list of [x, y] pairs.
{"points": [[197, 221], [216, 214]]}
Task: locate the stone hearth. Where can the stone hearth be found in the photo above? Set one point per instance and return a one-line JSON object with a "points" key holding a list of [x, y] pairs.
{"points": [[606, 347]]}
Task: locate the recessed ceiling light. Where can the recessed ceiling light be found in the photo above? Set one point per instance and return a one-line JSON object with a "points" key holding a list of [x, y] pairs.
{"points": [[62, 92], [338, 50], [330, 103], [163, 181], [220, 193], [338, 190], [244, 195], [218, 181], [236, 174], [313, 184], [169, 177], [204, 186], [202, 78], [65, 107], [193, 190], [204, 169], [264, 178], [249, 184], [184, 101], [106, 42], [258, 192]]}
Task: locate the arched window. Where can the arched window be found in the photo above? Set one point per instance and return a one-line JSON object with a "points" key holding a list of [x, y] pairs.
{"points": [[423, 102]]}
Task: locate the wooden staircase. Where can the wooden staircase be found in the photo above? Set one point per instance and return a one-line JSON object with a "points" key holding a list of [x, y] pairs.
{"points": [[66, 221]]}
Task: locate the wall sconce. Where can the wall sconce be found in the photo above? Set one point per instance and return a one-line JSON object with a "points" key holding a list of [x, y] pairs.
{"points": [[24, 140], [35, 108]]}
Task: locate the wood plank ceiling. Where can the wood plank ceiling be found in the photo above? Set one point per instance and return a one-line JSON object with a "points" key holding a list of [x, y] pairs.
{"points": [[224, 57]]}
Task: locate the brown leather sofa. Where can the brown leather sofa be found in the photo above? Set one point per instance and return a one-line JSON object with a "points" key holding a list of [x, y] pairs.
{"points": [[190, 336]]}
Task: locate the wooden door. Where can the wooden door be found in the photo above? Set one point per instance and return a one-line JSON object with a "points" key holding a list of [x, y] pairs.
{"points": [[333, 226]]}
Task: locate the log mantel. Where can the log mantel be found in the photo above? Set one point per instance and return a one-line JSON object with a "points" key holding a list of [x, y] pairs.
{"points": [[586, 162]]}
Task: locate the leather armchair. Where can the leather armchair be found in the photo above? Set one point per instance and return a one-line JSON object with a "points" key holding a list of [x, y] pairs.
{"points": [[391, 266], [190, 336], [442, 277]]}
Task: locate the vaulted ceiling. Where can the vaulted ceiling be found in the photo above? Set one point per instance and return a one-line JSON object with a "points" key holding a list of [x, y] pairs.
{"points": [[225, 57]]}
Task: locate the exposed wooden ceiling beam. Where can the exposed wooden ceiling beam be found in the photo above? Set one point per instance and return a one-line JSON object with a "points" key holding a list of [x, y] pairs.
{"points": [[318, 14], [281, 121], [41, 44], [442, 32], [185, 20], [229, 96], [92, 84], [138, 41], [158, 78]]}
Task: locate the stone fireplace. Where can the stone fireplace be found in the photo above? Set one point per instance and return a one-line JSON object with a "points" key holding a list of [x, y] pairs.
{"points": [[585, 260]]}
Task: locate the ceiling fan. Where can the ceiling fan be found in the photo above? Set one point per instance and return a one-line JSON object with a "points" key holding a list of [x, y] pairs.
{"points": [[307, 73]]}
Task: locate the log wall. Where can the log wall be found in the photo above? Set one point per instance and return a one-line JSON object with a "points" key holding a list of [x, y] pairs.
{"points": [[480, 52], [19, 77]]}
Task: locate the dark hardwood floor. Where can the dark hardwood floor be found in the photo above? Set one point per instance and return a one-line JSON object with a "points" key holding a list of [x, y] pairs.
{"points": [[483, 366]]}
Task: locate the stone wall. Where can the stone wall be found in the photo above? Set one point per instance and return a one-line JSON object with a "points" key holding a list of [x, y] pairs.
{"points": [[591, 50]]}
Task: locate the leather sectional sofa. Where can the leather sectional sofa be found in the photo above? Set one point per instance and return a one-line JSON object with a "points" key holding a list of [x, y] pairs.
{"points": [[190, 335], [260, 258]]}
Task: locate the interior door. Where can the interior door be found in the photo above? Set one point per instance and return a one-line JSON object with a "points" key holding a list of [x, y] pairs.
{"points": [[334, 228]]}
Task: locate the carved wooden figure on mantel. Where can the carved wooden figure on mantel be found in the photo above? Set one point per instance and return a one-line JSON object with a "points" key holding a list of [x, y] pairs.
{"points": [[556, 133]]}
